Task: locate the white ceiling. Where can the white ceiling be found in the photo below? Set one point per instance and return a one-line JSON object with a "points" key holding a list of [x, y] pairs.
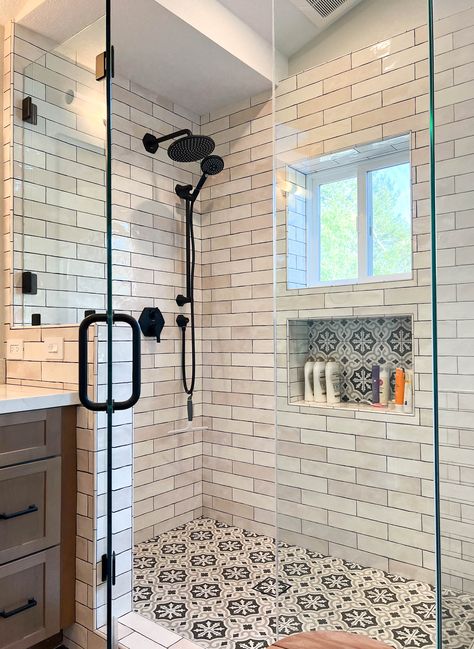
{"points": [[292, 29], [55, 19], [159, 47], [10, 8], [165, 54]]}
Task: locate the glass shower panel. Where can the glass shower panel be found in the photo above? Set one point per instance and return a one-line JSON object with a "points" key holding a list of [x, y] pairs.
{"points": [[453, 69], [59, 177], [61, 263], [355, 507], [203, 480]]}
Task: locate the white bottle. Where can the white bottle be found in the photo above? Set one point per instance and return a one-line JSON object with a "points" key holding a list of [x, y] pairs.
{"points": [[308, 380], [319, 381], [333, 381], [408, 396], [384, 385]]}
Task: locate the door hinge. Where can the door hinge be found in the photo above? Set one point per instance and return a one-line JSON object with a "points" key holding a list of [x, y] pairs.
{"points": [[29, 111], [105, 567], [101, 65]]}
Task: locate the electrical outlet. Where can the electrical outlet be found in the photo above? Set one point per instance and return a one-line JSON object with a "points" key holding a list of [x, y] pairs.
{"points": [[54, 348], [15, 349]]}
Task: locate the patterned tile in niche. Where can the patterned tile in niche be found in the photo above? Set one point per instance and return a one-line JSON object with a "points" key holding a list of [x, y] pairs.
{"points": [[358, 343], [230, 603]]}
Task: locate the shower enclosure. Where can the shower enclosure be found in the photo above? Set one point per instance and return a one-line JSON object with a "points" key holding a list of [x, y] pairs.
{"points": [[262, 184]]}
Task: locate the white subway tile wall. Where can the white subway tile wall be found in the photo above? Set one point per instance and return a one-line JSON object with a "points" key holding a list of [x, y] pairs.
{"points": [[337, 470], [149, 271], [332, 467], [454, 173]]}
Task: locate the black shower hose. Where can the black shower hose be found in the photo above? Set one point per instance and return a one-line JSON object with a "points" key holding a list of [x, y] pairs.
{"points": [[190, 272]]}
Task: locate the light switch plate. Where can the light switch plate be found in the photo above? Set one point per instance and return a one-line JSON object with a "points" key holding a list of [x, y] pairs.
{"points": [[15, 349], [54, 348]]}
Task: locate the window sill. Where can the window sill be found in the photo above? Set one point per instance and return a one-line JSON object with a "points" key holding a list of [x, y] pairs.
{"points": [[379, 279]]}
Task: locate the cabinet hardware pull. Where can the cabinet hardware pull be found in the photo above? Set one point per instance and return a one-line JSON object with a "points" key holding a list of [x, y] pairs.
{"points": [[31, 602], [28, 510]]}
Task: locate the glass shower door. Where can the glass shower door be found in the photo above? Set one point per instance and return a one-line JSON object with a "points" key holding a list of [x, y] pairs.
{"points": [[118, 388], [61, 214], [452, 78]]}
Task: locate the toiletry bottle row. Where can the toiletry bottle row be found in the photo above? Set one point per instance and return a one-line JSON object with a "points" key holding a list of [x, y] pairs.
{"points": [[403, 388], [322, 381]]}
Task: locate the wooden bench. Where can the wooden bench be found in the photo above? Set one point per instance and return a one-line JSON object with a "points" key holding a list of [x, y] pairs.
{"points": [[328, 640]]}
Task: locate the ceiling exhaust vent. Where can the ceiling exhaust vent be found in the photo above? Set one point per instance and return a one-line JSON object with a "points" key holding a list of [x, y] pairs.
{"points": [[323, 13], [325, 7]]}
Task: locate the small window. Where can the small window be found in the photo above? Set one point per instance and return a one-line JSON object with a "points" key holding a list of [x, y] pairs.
{"points": [[389, 220], [357, 216]]}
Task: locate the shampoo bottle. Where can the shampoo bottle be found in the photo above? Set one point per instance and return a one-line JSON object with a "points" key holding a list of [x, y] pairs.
{"points": [[333, 381], [384, 386], [308, 380], [319, 381], [408, 396]]}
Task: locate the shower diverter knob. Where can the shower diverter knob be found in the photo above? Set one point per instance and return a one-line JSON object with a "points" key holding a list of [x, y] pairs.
{"points": [[151, 323]]}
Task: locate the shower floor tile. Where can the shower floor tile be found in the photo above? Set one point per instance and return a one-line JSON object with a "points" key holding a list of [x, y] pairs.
{"points": [[215, 584]]}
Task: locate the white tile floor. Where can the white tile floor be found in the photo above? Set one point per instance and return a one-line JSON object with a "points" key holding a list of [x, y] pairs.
{"points": [[136, 632]]}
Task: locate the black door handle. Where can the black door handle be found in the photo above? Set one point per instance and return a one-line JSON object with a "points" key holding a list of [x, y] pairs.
{"points": [[22, 512], [30, 604], [83, 362], [136, 362]]}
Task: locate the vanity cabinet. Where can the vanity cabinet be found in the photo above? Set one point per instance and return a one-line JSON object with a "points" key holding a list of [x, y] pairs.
{"points": [[37, 526]]}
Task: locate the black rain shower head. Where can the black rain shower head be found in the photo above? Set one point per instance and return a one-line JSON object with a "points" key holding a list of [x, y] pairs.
{"points": [[188, 148], [191, 148]]}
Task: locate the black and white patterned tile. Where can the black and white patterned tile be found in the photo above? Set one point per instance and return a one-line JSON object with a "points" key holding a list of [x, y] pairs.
{"points": [[359, 343], [217, 585]]}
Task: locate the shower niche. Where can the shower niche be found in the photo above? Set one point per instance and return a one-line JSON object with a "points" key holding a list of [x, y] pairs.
{"points": [[356, 343]]}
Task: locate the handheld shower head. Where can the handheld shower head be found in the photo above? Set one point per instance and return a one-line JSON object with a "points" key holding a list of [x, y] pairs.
{"points": [[212, 165]]}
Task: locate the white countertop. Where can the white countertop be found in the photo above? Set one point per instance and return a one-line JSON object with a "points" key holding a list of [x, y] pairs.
{"points": [[18, 398]]}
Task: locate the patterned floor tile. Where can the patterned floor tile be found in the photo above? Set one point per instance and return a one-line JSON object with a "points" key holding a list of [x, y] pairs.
{"points": [[217, 585]]}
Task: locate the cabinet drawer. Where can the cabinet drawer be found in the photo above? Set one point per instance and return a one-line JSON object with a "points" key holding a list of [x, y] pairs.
{"points": [[26, 436], [29, 600], [30, 505]]}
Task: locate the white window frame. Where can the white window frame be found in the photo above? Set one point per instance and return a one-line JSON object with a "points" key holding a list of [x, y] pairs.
{"points": [[359, 170]]}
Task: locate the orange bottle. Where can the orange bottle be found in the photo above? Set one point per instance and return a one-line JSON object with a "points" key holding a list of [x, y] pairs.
{"points": [[399, 387]]}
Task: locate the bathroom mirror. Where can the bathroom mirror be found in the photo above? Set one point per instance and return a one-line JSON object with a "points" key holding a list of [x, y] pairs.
{"points": [[348, 215], [58, 170]]}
